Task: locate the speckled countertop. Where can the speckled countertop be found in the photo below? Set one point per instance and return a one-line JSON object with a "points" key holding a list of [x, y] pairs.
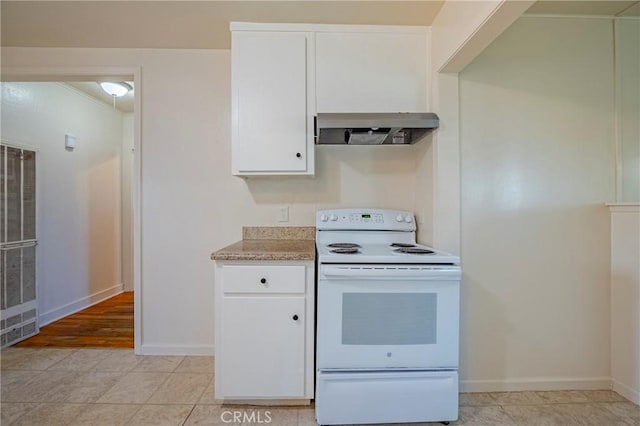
{"points": [[271, 243]]}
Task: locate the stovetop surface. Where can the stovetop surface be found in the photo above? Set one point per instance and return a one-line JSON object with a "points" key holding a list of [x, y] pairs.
{"points": [[374, 230], [383, 253]]}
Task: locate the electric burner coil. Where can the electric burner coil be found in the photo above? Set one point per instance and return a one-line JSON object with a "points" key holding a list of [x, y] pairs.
{"points": [[344, 245], [350, 250], [413, 250]]}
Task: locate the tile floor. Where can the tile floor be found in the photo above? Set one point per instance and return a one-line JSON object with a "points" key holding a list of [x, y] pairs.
{"points": [[104, 387]]}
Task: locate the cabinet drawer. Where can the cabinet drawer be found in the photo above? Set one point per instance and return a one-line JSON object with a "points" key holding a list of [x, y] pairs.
{"points": [[264, 279], [392, 396]]}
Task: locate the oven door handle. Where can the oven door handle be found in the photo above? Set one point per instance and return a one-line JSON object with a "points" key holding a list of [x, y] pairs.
{"points": [[427, 274]]}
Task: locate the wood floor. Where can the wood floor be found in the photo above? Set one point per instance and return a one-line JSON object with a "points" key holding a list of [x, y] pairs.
{"points": [[108, 324]]}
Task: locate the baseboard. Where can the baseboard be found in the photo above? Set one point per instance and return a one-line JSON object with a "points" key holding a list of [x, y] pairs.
{"points": [[536, 384], [78, 305], [268, 402], [147, 349], [624, 390]]}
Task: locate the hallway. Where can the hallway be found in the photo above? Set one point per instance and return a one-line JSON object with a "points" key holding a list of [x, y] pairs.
{"points": [[108, 324]]}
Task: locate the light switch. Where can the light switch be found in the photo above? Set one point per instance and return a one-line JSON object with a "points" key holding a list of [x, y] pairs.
{"points": [[69, 142]]}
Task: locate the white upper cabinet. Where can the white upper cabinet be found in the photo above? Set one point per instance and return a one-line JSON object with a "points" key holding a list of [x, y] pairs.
{"points": [[372, 70], [282, 75], [272, 117]]}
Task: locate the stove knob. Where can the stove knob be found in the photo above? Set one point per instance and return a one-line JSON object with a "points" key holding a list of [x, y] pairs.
{"points": [[408, 218], [323, 218], [333, 217], [399, 218]]}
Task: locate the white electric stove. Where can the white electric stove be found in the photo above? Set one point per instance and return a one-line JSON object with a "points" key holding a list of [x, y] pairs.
{"points": [[387, 321]]}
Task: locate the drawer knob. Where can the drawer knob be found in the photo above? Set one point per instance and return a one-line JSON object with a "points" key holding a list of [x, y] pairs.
{"points": [[295, 318], [263, 280], [298, 155]]}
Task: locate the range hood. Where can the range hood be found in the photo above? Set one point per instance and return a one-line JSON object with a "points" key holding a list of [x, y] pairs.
{"points": [[373, 128]]}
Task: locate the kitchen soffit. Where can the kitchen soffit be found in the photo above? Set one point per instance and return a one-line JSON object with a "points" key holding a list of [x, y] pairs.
{"points": [[183, 24], [601, 8]]}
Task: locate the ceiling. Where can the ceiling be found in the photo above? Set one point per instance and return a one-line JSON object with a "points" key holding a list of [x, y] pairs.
{"points": [[93, 89], [205, 24], [183, 24]]}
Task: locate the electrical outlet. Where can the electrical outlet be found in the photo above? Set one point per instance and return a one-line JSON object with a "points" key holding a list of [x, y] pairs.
{"points": [[421, 217], [283, 214]]}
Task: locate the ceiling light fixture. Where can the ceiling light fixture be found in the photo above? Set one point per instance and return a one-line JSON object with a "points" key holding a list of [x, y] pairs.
{"points": [[116, 89]]}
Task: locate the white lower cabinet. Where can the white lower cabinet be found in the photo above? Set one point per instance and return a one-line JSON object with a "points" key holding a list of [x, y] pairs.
{"points": [[264, 330]]}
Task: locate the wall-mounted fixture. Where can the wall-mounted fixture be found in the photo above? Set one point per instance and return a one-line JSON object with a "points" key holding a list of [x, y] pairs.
{"points": [[69, 142], [116, 89]]}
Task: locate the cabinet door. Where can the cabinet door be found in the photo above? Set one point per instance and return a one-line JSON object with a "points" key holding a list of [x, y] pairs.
{"points": [[271, 131], [371, 72], [262, 348]]}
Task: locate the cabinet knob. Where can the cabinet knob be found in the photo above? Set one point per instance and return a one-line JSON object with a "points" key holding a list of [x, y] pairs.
{"points": [[263, 280], [298, 155], [295, 317]]}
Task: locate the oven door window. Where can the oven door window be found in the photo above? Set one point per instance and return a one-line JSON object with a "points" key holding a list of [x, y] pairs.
{"points": [[389, 318]]}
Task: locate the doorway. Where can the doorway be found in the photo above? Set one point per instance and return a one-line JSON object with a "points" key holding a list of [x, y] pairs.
{"points": [[96, 194]]}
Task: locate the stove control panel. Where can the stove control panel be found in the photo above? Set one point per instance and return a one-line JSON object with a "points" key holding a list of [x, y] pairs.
{"points": [[365, 219]]}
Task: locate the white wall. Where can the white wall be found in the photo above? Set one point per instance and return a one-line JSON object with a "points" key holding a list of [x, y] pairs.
{"points": [[460, 31], [537, 155], [628, 85], [78, 191], [191, 205]]}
